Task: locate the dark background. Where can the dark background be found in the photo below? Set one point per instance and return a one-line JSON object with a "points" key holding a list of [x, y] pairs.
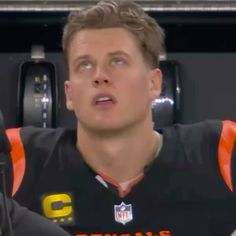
{"points": [[203, 44]]}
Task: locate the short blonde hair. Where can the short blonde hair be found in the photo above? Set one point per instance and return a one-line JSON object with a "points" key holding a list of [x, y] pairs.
{"points": [[118, 13]]}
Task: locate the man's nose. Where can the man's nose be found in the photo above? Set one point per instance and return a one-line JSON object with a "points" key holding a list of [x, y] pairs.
{"points": [[101, 77]]}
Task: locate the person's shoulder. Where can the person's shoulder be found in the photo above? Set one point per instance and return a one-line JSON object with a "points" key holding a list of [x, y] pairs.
{"points": [[31, 137], [193, 131], [32, 133], [200, 135], [208, 129], [193, 143], [201, 126], [199, 129], [33, 130]]}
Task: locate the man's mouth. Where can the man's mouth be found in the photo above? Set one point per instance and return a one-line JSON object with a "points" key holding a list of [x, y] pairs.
{"points": [[101, 99]]}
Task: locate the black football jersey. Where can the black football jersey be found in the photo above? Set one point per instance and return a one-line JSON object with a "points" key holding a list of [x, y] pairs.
{"points": [[187, 190]]}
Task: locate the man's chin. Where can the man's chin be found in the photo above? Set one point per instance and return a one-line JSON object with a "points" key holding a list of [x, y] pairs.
{"points": [[105, 129]]}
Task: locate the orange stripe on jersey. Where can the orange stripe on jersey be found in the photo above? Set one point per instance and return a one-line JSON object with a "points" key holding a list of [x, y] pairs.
{"points": [[17, 157], [225, 148], [122, 193]]}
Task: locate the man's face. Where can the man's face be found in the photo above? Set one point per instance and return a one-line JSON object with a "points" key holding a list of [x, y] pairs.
{"points": [[110, 86]]}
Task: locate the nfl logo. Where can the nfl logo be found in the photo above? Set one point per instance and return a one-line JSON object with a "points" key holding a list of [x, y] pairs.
{"points": [[123, 213]]}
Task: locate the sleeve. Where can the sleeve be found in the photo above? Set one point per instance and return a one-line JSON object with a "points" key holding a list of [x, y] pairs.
{"points": [[27, 223], [211, 157], [17, 158], [223, 211], [201, 145], [31, 148], [227, 154]]}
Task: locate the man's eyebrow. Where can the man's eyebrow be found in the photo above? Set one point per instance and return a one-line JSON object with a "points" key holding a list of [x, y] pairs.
{"points": [[115, 53], [87, 56], [82, 57]]}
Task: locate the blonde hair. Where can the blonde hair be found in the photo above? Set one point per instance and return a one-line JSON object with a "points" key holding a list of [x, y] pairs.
{"points": [[118, 13]]}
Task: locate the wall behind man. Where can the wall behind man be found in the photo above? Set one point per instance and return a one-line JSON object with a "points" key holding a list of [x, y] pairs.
{"points": [[208, 85], [202, 44]]}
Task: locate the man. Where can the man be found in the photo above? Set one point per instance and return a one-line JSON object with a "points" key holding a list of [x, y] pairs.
{"points": [[25, 223], [115, 175]]}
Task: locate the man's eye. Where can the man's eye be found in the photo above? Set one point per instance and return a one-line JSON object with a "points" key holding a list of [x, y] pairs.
{"points": [[85, 65], [117, 61]]}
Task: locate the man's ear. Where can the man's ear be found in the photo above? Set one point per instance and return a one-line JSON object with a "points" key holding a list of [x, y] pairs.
{"points": [[155, 83], [68, 95]]}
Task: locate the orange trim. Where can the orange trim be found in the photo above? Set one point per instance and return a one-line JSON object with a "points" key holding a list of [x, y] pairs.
{"points": [[134, 182], [17, 157], [108, 179], [225, 148], [122, 193]]}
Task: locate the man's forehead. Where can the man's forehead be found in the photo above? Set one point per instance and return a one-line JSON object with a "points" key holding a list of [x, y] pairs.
{"points": [[116, 35], [106, 41]]}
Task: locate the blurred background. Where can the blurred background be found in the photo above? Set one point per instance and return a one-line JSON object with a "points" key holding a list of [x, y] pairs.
{"points": [[199, 63]]}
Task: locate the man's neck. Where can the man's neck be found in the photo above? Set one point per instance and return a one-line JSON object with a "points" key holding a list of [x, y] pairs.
{"points": [[120, 157]]}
